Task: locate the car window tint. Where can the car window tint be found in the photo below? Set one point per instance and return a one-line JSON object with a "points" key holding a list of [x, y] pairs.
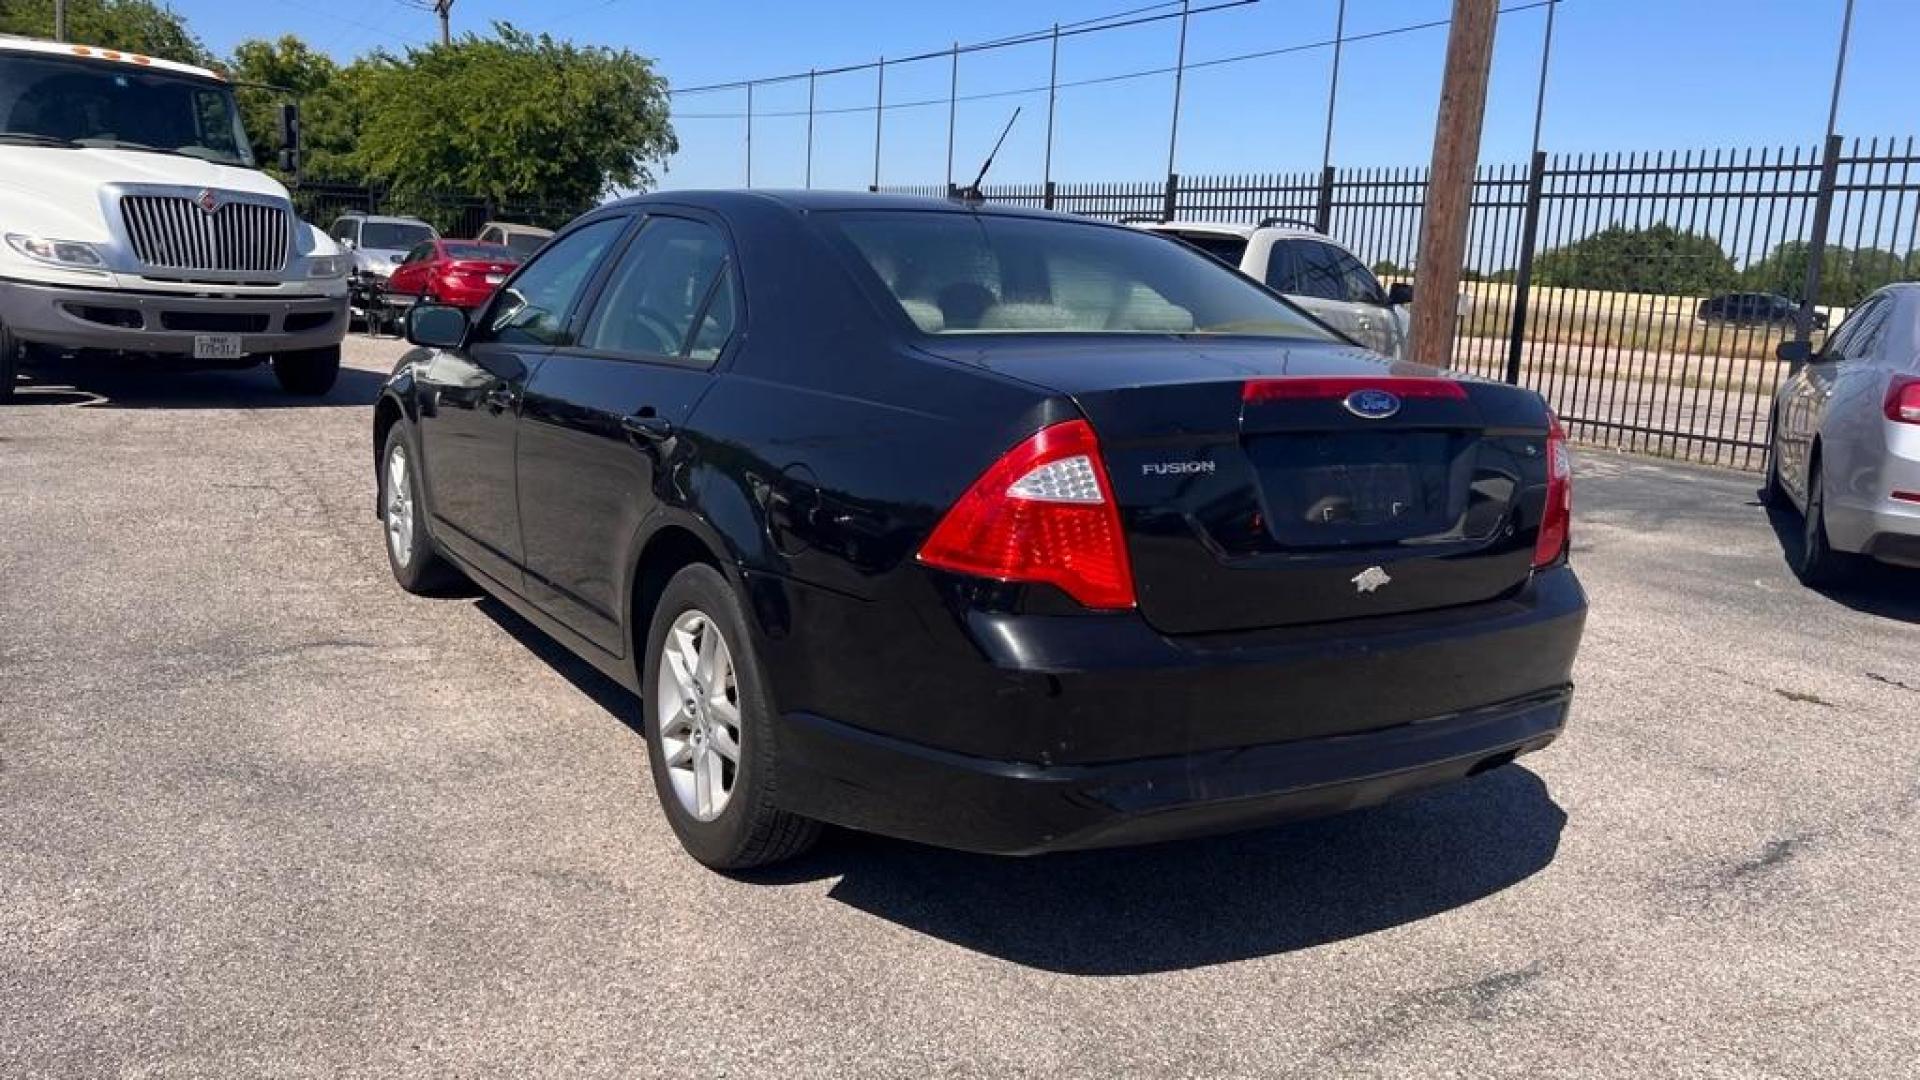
{"points": [[343, 230], [954, 273], [716, 323], [533, 308], [1282, 268], [1316, 273], [1358, 282], [658, 288], [1866, 340], [1227, 248], [1841, 346], [420, 253]]}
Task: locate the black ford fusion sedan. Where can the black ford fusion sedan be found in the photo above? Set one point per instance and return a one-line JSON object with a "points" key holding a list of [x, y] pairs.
{"points": [[994, 529]]}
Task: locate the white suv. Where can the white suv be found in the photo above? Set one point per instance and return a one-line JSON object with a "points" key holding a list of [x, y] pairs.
{"points": [[1307, 267]]}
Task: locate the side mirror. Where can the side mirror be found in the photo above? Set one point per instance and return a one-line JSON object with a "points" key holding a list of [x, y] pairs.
{"points": [[1794, 352], [1400, 292], [347, 244], [437, 326]]}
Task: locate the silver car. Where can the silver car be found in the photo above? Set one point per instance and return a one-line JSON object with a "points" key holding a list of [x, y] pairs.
{"points": [[379, 243], [1846, 442], [1309, 268]]}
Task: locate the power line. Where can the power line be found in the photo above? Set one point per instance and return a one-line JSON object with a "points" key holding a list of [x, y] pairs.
{"points": [[1098, 80], [1121, 20]]}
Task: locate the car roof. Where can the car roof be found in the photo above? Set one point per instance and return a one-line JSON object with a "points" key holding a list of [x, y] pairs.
{"points": [[515, 227], [1232, 228], [384, 219], [824, 200]]}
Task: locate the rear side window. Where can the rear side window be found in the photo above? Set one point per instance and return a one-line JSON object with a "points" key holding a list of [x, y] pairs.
{"points": [[1325, 272], [957, 273], [660, 289]]}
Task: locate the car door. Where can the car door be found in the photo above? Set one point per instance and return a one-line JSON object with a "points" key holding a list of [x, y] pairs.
{"points": [[1809, 391], [602, 421], [409, 278], [469, 399]]}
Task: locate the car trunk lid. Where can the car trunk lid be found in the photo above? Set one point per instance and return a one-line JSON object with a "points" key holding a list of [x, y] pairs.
{"points": [[1266, 484]]}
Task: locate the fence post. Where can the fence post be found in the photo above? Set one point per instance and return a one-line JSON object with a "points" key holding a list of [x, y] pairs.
{"points": [[1170, 196], [1323, 208], [1523, 274], [1046, 195], [1817, 246]]}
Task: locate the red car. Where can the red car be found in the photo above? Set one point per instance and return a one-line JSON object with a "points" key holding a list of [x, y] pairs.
{"points": [[458, 272]]}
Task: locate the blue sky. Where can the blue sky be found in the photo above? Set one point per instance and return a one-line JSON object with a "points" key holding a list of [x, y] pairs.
{"points": [[1626, 75]]}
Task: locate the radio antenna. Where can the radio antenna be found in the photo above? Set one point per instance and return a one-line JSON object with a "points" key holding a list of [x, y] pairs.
{"points": [[972, 193]]}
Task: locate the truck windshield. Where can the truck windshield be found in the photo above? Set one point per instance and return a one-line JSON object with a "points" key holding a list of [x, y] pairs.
{"points": [[57, 101]]}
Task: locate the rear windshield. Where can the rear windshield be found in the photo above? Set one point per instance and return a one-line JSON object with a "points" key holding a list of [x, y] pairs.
{"points": [[393, 235], [1228, 249], [989, 274], [493, 252]]}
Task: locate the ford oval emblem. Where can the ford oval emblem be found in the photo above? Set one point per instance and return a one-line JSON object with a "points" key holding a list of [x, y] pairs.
{"points": [[1372, 404]]}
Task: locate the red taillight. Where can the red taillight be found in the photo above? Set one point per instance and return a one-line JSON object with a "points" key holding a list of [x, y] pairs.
{"points": [[1903, 400], [1044, 513], [1313, 389], [1556, 521]]}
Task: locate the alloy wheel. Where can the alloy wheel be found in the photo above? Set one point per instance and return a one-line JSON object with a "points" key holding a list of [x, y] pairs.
{"points": [[399, 506], [697, 714]]}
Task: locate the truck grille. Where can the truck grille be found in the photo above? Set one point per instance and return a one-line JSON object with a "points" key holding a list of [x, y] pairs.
{"points": [[172, 232]]}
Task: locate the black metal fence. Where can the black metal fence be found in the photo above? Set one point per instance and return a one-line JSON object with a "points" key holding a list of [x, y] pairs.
{"points": [[454, 215], [1587, 274]]}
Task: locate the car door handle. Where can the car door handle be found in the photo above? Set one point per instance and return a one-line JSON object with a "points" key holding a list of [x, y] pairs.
{"points": [[648, 426], [500, 398]]}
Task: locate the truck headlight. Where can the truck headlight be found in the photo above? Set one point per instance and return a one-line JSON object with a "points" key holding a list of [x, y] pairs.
{"points": [[324, 266], [57, 252]]}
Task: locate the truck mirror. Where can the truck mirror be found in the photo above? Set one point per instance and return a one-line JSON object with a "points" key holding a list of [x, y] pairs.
{"points": [[289, 136]]}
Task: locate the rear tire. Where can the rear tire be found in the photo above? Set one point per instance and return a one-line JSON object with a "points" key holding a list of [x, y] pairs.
{"points": [[307, 372], [710, 729], [403, 514], [1820, 566]]}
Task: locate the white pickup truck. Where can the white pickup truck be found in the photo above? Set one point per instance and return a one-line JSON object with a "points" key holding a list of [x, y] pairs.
{"points": [[134, 223]]}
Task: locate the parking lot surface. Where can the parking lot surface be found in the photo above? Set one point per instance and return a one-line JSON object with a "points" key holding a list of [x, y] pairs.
{"points": [[262, 814]]}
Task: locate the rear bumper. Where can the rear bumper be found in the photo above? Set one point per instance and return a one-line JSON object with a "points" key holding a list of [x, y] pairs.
{"points": [[1025, 733], [1886, 528], [879, 784], [165, 324]]}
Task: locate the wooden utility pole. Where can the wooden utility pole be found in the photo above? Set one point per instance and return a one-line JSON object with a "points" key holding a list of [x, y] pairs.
{"points": [[444, 9], [1456, 153]]}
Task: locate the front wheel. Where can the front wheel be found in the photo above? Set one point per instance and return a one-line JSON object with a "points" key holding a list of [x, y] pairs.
{"points": [[416, 565], [307, 372], [710, 730]]}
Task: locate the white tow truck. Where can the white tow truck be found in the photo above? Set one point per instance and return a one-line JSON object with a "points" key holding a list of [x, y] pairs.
{"points": [[134, 223]]}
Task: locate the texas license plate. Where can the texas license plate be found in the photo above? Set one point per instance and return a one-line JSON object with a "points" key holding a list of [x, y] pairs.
{"points": [[216, 346], [495, 279]]}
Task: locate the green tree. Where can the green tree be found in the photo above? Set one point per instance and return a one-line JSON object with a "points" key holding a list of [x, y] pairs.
{"points": [[513, 116], [139, 26], [1656, 259], [330, 110], [1846, 275]]}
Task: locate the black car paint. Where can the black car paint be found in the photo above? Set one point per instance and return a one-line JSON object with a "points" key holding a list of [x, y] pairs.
{"points": [[811, 460]]}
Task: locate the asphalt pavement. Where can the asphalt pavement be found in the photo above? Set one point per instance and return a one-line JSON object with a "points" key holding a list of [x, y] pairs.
{"points": [[263, 814]]}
